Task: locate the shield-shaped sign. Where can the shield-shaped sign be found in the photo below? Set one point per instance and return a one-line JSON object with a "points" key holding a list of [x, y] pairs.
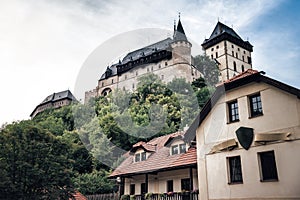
{"points": [[245, 136]]}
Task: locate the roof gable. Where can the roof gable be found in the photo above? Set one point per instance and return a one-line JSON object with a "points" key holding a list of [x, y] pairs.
{"points": [[221, 28], [247, 77]]}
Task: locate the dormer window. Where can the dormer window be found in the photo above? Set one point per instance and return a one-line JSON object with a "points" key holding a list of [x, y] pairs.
{"points": [[140, 157], [178, 149]]}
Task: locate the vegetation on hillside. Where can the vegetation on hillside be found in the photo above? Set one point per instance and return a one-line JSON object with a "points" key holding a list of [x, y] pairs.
{"points": [[76, 146]]}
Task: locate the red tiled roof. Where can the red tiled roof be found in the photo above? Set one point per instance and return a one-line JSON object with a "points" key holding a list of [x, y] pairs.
{"points": [[248, 72], [158, 160], [78, 196]]}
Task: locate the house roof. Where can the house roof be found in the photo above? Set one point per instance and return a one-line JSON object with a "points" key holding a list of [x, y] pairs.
{"points": [[222, 32], [78, 196], [247, 77], [160, 160], [179, 33], [56, 97]]}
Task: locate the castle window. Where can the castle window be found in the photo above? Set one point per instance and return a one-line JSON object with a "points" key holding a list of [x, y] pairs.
{"points": [[235, 170], [112, 81], [243, 58], [238, 49], [243, 68], [166, 63], [255, 105], [212, 56], [249, 60], [102, 84], [217, 47], [185, 184], [236, 55], [233, 111], [212, 49], [216, 54], [244, 52], [232, 53], [268, 169], [178, 149], [234, 65], [232, 46], [159, 66]]}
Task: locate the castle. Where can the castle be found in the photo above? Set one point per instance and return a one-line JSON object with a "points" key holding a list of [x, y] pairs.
{"points": [[171, 58]]}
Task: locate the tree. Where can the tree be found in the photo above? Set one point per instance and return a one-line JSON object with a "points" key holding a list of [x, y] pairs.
{"points": [[35, 165], [208, 68]]}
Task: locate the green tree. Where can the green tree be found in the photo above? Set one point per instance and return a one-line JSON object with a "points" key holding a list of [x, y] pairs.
{"points": [[34, 163], [209, 69]]}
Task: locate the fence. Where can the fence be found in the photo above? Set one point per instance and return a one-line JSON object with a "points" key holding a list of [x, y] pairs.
{"points": [[113, 196]]}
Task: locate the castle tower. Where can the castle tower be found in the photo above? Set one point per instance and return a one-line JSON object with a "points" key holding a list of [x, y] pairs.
{"points": [[231, 52], [181, 47]]}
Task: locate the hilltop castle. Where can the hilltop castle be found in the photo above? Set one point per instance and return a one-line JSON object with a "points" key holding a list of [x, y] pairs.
{"points": [[171, 58]]}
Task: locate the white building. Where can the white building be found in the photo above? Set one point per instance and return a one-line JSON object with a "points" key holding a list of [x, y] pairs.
{"points": [[248, 140]]}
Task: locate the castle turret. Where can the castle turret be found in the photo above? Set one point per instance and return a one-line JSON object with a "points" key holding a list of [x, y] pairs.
{"points": [[229, 50], [181, 47]]}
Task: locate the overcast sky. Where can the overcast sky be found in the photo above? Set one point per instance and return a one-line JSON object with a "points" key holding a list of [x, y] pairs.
{"points": [[44, 43]]}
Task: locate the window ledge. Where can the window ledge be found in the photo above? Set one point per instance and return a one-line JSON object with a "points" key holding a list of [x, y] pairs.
{"points": [[233, 122], [256, 116], [269, 180], [235, 183]]}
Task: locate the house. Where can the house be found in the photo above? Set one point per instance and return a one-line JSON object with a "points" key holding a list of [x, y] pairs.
{"points": [[55, 100], [247, 138], [165, 165]]}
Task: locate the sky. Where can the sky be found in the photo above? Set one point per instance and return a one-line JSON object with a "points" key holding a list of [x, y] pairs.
{"points": [[44, 44]]}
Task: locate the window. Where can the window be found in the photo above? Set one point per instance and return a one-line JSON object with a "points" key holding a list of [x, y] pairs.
{"points": [[212, 49], [140, 157], [249, 60], [236, 55], [182, 148], [235, 169], [232, 46], [243, 58], [159, 66], [185, 184], [212, 56], [137, 157], [112, 81], [143, 156], [125, 77], [234, 65], [166, 63], [136, 73], [170, 186], [217, 47], [268, 170], [178, 149], [132, 189], [152, 68], [233, 111], [255, 105], [175, 149], [244, 52], [216, 54], [238, 49], [143, 188], [232, 53], [102, 84], [243, 68], [162, 77]]}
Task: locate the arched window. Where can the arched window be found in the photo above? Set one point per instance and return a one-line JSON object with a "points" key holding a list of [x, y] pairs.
{"points": [[243, 68], [234, 65]]}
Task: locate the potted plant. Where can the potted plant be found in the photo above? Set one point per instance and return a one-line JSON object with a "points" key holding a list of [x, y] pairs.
{"points": [[148, 195], [125, 197], [132, 197]]}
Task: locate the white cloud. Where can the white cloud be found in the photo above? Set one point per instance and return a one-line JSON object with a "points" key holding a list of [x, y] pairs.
{"points": [[44, 43]]}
